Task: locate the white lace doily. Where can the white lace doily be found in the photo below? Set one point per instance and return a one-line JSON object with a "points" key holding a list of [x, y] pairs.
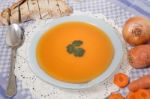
{"points": [[42, 90]]}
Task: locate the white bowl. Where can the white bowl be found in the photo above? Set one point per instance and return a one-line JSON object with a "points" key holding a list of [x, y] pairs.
{"points": [[108, 29]]}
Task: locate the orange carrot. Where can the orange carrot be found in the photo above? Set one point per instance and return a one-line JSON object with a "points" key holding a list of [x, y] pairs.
{"points": [[130, 95], [121, 80], [142, 94], [116, 96], [139, 56], [141, 83]]}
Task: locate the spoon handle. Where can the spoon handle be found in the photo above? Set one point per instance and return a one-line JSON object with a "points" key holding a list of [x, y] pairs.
{"points": [[11, 87]]}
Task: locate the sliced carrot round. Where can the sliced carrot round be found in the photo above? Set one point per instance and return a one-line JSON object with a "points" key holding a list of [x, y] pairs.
{"points": [[142, 94], [130, 95], [121, 80], [116, 96]]}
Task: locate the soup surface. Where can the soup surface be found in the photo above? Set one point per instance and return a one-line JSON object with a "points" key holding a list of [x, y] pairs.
{"points": [[53, 58]]}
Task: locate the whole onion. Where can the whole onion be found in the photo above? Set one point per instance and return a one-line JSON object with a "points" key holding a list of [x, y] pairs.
{"points": [[136, 30]]}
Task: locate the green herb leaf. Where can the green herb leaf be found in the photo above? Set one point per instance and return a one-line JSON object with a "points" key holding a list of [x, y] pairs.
{"points": [[77, 43], [70, 48], [75, 49], [78, 52]]}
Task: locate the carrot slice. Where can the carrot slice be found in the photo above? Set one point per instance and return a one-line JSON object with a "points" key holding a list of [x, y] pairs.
{"points": [[142, 94], [116, 96], [121, 80], [130, 95]]}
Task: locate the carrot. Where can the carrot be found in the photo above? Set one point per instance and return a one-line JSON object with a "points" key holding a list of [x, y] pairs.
{"points": [[130, 95], [142, 94], [141, 83], [116, 96], [139, 56], [121, 80]]}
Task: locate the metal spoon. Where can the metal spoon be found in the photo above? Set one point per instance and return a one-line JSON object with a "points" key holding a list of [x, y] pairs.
{"points": [[14, 39]]}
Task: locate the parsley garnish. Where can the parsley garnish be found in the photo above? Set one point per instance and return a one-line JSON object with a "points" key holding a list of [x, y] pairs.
{"points": [[75, 48]]}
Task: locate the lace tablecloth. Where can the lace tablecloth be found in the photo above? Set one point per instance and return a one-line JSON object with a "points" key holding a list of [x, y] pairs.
{"points": [[28, 89]]}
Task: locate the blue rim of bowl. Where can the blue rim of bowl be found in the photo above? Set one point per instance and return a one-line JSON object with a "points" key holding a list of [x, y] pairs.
{"points": [[99, 23]]}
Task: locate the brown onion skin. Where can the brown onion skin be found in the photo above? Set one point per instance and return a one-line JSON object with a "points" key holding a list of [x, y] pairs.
{"points": [[136, 30]]}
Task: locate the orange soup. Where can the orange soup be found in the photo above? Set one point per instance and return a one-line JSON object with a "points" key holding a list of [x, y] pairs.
{"points": [[53, 58]]}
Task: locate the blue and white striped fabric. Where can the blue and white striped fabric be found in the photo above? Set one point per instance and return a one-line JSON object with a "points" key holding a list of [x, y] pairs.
{"points": [[2, 94], [117, 10], [138, 7]]}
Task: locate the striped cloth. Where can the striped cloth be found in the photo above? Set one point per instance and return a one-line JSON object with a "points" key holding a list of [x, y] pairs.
{"points": [[138, 7]]}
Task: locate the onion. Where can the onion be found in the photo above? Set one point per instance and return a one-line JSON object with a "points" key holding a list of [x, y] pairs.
{"points": [[136, 30]]}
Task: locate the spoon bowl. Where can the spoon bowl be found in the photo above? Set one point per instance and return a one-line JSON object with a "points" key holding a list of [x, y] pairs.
{"points": [[15, 36]]}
